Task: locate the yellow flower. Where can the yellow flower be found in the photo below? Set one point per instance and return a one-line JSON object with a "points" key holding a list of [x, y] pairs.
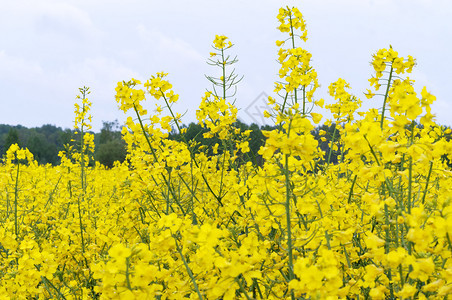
{"points": [[316, 117], [378, 292], [119, 252], [433, 286], [221, 42], [396, 257], [373, 241], [407, 291]]}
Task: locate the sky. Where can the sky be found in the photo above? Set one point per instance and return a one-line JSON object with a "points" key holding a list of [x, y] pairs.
{"points": [[49, 49]]}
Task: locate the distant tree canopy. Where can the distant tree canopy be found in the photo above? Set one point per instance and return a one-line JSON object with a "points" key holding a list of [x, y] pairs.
{"points": [[46, 141], [12, 138], [111, 147]]}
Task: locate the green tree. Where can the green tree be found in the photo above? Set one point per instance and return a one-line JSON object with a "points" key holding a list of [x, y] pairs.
{"points": [[11, 138], [44, 150], [110, 131], [111, 146], [111, 151]]}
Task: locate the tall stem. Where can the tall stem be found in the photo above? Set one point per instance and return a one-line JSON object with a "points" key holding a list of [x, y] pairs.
{"points": [[331, 145], [223, 67], [154, 154], [386, 97], [288, 219], [16, 196], [426, 183], [189, 271], [81, 198], [192, 155], [293, 47]]}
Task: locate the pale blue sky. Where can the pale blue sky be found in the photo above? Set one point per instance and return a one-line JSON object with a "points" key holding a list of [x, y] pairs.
{"points": [[50, 48]]}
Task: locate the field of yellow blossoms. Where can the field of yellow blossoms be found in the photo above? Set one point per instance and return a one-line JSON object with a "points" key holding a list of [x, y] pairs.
{"points": [[177, 221]]}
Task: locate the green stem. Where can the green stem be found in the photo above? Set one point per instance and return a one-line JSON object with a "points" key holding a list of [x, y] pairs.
{"points": [[293, 47], [327, 237], [49, 285], [145, 134], [386, 97], [222, 170], [402, 280], [304, 99], [128, 273], [350, 194], [331, 146], [187, 267], [426, 184], [410, 179], [242, 289], [154, 154], [391, 285], [8, 204], [347, 257], [223, 67], [283, 107], [448, 240], [82, 177], [81, 224], [288, 219], [387, 239], [410, 175], [192, 155], [16, 196]]}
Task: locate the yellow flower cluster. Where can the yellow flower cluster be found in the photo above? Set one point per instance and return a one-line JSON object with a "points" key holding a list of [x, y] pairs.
{"points": [[217, 115], [16, 153], [221, 42], [158, 87], [299, 78], [175, 221], [128, 97], [389, 58], [82, 116], [291, 19], [346, 105]]}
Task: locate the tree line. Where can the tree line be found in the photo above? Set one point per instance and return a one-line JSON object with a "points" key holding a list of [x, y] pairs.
{"points": [[46, 141]]}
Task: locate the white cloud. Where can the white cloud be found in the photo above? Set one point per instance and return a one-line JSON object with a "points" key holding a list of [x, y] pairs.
{"points": [[18, 68], [26, 12], [64, 21], [165, 45]]}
